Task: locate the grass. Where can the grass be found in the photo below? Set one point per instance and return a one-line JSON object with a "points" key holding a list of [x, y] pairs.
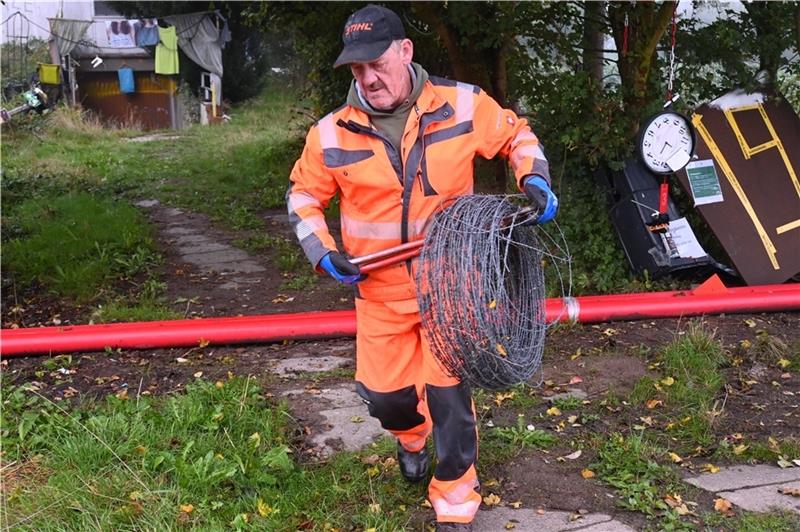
{"points": [[76, 244], [689, 388], [216, 457], [68, 179], [629, 464]]}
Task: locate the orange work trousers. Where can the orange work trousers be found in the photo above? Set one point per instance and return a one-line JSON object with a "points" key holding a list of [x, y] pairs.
{"points": [[404, 387]]}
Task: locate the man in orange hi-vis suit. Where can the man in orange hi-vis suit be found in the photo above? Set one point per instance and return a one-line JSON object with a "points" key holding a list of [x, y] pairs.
{"points": [[402, 144]]}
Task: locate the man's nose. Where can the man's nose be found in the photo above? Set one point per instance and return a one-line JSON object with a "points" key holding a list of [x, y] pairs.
{"points": [[368, 77]]}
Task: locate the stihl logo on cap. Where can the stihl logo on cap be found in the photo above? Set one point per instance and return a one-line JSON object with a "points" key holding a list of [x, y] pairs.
{"points": [[358, 26]]}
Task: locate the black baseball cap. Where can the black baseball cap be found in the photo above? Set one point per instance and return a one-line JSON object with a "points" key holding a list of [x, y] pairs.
{"points": [[368, 33]]}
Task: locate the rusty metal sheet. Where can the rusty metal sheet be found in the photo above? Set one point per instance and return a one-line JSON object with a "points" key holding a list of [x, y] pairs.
{"points": [[150, 107], [755, 149]]}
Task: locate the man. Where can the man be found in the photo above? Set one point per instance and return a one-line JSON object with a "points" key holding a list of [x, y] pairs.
{"points": [[402, 144]]}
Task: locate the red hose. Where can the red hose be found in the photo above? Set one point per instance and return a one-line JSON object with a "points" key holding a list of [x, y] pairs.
{"points": [[710, 298]]}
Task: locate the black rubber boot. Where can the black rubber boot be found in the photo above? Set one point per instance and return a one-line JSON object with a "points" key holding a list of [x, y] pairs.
{"points": [[413, 466], [453, 527]]}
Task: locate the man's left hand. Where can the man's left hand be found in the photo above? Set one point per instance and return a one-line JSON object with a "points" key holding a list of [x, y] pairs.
{"points": [[538, 191]]}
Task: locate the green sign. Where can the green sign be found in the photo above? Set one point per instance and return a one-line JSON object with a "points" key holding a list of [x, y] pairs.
{"points": [[704, 182]]}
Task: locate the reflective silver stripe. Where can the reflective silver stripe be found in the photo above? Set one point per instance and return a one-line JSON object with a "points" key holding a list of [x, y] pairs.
{"points": [[525, 134], [298, 200], [573, 308], [523, 152], [307, 226], [327, 133], [374, 230], [465, 110], [531, 150]]}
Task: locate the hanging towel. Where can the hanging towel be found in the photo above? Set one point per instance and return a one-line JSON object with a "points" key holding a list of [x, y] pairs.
{"points": [[126, 84], [167, 51]]}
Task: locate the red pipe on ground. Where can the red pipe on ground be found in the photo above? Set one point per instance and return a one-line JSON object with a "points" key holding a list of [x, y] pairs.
{"points": [[709, 298]]}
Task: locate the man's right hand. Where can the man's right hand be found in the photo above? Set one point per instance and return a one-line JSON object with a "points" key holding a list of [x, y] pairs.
{"points": [[341, 269]]}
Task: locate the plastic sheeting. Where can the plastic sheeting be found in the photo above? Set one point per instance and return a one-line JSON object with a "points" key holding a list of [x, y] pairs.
{"points": [[201, 39], [68, 33]]}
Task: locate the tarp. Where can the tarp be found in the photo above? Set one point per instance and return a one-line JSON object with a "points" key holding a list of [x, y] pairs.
{"points": [[68, 33], [201, 39]]}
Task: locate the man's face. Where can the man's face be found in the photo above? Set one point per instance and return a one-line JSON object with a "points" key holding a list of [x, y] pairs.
{"points": [[386, 82]]}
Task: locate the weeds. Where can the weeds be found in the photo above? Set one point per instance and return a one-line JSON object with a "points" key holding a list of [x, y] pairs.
{"points": [[215, 457], [77, 244], [629, 465]]}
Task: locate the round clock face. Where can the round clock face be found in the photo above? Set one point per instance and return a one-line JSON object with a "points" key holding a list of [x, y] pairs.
{"points": [[666, 142]]}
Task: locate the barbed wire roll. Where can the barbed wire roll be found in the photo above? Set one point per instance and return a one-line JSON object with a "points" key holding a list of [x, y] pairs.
{"points": [[481, 291]]}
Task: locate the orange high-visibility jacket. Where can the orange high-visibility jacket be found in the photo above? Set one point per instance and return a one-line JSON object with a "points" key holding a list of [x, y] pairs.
{"points": [[386, 197]]}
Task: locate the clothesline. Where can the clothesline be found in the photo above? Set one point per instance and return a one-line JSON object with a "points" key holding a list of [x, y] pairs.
{"points": [[90, 44]]}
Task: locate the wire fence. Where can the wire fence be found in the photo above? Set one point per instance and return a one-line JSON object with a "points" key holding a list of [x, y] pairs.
{"points": [[481, 290]]}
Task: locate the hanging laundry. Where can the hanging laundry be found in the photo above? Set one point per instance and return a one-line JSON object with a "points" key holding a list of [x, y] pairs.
{"points": [[126, 81], [167, 51], [146, 32]]}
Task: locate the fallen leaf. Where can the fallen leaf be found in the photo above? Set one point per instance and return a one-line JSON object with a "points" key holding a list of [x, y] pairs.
{"points": [[198, 374], [553, 411], [652, 403], [203, 343], [492, 304], [375, 508], [516, 505], [648, 420], [675, 458], [750, 323], [426, 504], [510, 525], [500, 397], [709, 468], [723, 506], [576, 354], [187, 508], [501, 350], [574, 456], [784, 463], [739, 449], [572, 419], [587, 473], [491, 500], [540, 511], [356, 419], [120, 395], [669, 381], [794, 492], [181, 360], [575, 380], [784, 363]]}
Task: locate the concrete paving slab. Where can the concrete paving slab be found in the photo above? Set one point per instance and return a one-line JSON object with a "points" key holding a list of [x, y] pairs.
{"points": [[764, 498], [172, 211], [202, 247], [216, 257], [525, 519], [180, 230], [352, 425], [191, 239], [292, 366], [246, 266], [744, 476]]}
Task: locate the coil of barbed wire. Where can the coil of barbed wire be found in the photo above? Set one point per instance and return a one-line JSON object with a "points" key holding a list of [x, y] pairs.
{"points": [[481, 292]]}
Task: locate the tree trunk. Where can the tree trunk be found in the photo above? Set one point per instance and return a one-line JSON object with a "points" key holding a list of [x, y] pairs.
{"points": [[647, 22], [593, 41]]}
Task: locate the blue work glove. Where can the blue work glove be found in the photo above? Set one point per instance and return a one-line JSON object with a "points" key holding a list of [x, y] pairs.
{"points": [[538, 191], [340, 268]]}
